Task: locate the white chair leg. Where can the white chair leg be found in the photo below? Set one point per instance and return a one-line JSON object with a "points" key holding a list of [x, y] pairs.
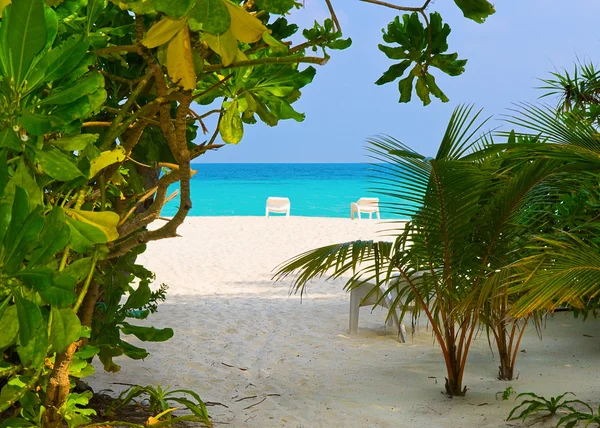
{"points": [[267, 212], [354, 308], [377, 214], [402, 333]]}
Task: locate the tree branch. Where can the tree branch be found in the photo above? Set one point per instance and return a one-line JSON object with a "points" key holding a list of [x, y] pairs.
{"points": [[397, 7], [116, 49], [269, 60], [333, 16]]}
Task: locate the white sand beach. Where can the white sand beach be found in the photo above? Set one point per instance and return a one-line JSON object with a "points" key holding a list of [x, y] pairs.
{"points": [[277, 361]]}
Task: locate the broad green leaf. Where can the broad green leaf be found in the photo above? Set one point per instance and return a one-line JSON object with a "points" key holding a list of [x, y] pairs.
{"points": [[34, 352], [9, 326], [449, 63], [3, 173], [84, 236], [225, 45], [74, 142], [18, 215], [340, 44], [59, 61], [94, 8], [106, 355], [395, 71], [5, 65], [231, 126], [51, 32], [134, 352], [393, 53], [38, 278], [16, 422], [81, 368], [275, 44], [65, 328], [405, 86], [22, 233], [87, 85], [245, 27], [81, 108], [79, 269], [422, 90], [5, 217], [162, 32], [138, 298], [174, 8], [19, 244], [26, 35], [107, 158], [104, 221], [10, 140], [57, 164], [61, 292], [180, 63], [29, 316], [211, 16], [88, 351], [148, 334], [278, 7], [39, 124], [24, 179], [477, 10], [53, 238], [434, 89]]}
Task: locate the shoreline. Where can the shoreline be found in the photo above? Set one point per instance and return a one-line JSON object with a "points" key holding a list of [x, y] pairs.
{"points": [[241, 338]]}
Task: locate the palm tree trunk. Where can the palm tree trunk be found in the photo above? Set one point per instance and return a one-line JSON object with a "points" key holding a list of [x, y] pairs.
{"points": [[455, 371]]}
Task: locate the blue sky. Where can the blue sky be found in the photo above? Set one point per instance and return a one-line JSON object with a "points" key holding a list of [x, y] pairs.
{"points": [[522, 42]]}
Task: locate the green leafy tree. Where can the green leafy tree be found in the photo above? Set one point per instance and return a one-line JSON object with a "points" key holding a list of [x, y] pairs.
{"points": [[98, 118], [422, 41]]}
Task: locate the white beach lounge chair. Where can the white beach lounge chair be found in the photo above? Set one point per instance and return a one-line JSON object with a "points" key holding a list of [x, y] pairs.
{"points": [[357, 299], [278, 205], [365, 206]]}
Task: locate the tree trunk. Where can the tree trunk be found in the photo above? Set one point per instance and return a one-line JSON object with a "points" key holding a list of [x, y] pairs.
{"points": [[506, 368], [58, 388], [453, 384]]}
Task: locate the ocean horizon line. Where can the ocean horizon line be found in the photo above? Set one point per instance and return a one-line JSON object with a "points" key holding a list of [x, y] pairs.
{"points": [[287, 163]]}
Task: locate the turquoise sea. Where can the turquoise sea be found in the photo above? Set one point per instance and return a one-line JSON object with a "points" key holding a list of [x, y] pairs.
{"points": [[314, 190]]}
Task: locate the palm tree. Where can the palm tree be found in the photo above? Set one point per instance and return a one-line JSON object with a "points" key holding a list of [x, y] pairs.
{"points": [[448, 262], [563, 266]]}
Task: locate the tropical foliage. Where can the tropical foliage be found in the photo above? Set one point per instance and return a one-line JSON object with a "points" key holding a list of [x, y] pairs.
{"points": [[562, 266], [535, 404], [422, 41], [98, 118], [454, 260]]}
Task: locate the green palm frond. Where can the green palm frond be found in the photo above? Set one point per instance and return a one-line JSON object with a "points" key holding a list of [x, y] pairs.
{"points": [[459, 137], [554, 127], [576, 92], [564, 271], [359, 259]]}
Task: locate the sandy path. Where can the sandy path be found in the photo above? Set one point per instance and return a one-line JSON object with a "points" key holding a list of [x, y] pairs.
{"points": [[226, 312]]}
